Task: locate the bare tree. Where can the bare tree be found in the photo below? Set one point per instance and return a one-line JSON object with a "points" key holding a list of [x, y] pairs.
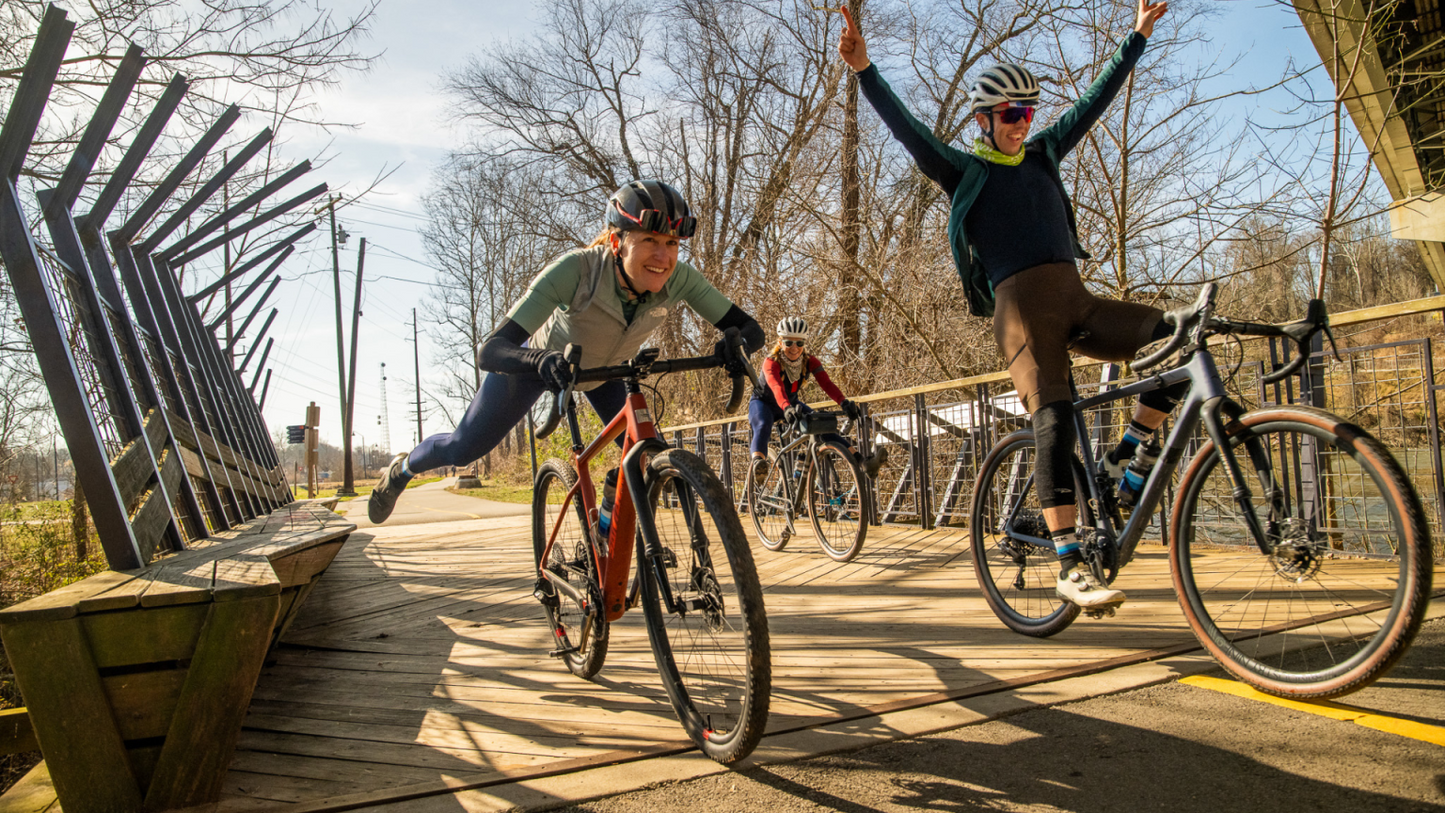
{"points": [[269, 52]]}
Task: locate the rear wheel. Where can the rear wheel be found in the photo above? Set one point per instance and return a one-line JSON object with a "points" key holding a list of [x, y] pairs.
{"points": [[1339, 596], [1013, 558], [836, 503], [579, 628], [711, 644], [770, 501]]}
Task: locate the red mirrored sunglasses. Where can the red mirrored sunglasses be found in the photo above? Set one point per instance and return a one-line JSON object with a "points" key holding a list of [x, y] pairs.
{"points": [[654, 220], [1014, 114]]}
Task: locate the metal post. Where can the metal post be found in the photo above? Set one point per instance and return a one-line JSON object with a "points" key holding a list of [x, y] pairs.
{"points": [[725, 469], [923, 483]]}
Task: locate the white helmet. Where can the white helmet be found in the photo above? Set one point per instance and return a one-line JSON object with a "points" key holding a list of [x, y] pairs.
{"points": [[1004, 83], [793, 327]]}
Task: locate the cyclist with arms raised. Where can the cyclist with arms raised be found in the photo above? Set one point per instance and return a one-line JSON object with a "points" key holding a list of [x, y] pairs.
{"points": [[607, 298], [1015, 245]]}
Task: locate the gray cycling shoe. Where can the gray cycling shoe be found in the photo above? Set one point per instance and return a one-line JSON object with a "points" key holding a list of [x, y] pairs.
{"points": [[1082, 588], [873, 462], [383, 498]]}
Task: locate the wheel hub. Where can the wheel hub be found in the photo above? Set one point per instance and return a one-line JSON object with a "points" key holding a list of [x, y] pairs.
{"points": [[1297, 557], [710, 597]]}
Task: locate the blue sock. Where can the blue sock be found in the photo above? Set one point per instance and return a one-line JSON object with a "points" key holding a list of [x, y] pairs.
{"points": [[406, 468], [1066, 542], [1134, 434]]}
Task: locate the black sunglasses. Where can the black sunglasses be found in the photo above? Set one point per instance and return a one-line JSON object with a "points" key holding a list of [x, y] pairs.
{"points": [[792, 342]]}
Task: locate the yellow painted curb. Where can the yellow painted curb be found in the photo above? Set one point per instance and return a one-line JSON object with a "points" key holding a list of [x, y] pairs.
{"points": [[1432, 734]]}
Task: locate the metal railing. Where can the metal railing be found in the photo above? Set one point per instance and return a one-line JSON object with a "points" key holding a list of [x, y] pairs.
{"points": [[939, 434]]}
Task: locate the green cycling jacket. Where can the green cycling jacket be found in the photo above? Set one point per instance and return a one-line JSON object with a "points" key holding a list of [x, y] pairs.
{"points": [[962, 174]]}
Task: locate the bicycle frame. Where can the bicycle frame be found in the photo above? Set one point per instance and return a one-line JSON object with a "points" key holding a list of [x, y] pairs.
{"points": [[1206, 403], [795, 492], [614, 564]]}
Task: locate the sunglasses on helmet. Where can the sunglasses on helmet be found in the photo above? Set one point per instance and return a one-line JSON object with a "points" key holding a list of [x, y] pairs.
{"points": [[654, 220], [1016, 113]]}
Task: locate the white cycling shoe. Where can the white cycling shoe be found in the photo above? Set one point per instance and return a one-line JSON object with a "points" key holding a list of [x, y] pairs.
{"points": [[1082, 588]]}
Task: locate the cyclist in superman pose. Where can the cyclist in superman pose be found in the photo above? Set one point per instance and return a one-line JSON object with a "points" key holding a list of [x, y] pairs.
{"points": [[607, 298]]}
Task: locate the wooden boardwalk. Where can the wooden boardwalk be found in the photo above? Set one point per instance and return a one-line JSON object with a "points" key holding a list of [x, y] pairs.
{"points": [[421, 660]]}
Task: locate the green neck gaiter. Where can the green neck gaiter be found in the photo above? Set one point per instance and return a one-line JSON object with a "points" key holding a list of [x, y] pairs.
{"points": [[982, 149]]}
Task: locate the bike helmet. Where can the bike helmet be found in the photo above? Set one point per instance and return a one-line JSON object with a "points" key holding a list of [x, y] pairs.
{"points": [[651, 206], [1004, 83], [793, 327]]}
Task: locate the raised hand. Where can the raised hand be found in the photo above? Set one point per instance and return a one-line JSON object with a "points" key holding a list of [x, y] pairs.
{"points": [[1149, 13], [851, 46]]}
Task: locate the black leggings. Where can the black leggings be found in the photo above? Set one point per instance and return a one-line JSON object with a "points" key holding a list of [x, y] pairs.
{"points": [[1055, 435]]}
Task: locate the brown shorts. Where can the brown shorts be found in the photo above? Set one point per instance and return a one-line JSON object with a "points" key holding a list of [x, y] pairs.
{"points": [[1040, 311]]}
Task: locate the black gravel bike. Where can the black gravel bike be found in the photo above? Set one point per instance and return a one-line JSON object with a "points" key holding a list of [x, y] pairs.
{"points": [[1298, 547], [810, 475]]}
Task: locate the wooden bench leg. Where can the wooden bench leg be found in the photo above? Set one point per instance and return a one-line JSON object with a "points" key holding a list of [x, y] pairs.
{"points": [[72, 716], [213, 703]]}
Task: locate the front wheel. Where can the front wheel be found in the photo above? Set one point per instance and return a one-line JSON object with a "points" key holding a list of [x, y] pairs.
{"points": [[1336, 599], [836, 503], [770, 500], [704, 609], [1015, 562], [579, 627]]}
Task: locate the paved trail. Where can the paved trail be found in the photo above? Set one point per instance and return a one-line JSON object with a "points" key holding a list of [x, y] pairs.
{"points": [[433, 503]]}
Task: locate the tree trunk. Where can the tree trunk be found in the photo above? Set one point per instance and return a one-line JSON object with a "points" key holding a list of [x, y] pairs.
{"points": [[849, 300], [80, 524]]}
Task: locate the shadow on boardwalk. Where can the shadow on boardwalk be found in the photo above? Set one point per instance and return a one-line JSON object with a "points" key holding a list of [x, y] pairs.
{"points": [[422, 659]]}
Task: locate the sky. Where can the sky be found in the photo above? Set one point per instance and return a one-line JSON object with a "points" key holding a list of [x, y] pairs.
{"points": [[402, 125]]}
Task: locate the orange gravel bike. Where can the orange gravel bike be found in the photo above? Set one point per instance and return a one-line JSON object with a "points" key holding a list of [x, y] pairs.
{"points": [[696, 581]]}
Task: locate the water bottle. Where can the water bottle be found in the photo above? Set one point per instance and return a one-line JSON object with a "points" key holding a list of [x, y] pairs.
{"points": [[609, 497], [1138, 471]]}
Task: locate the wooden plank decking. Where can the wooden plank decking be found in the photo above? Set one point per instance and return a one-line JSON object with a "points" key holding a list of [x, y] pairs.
{"points": [[422, 659]]}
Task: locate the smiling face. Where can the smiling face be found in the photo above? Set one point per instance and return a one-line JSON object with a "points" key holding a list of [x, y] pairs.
{"points": [[648, 257], [794, 352], [1007, 138]]}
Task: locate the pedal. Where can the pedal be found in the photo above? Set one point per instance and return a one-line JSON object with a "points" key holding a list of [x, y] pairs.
{"points": [[1101, 612], [562, 652]]}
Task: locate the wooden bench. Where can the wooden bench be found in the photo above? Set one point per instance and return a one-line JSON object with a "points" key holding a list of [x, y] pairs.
{"points": [[136, 682]]}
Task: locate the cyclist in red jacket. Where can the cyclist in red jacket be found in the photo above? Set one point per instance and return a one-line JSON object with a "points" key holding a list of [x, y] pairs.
{"points": [[785, 372]]}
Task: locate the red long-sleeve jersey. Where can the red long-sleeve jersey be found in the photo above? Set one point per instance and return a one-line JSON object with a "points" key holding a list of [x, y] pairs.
{"points": [[786, 393]]}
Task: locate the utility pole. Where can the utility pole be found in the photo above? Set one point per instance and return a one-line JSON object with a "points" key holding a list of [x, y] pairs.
{"points": [[384, 419], [348, 482], [340, 337], [416, 355]]}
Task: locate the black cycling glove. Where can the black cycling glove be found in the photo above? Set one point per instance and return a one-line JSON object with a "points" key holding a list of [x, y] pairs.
{"points": [[556, 373]]}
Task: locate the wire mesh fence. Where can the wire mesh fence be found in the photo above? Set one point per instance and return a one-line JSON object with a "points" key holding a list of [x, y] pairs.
{"points": [[938, 436]]}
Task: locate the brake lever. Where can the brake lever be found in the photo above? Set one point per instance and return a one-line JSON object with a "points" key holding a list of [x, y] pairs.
{"points": [[1334, 349]]}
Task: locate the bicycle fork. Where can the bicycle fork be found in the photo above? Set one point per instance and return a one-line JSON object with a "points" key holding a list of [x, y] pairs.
{"points": [[656, 557]]}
